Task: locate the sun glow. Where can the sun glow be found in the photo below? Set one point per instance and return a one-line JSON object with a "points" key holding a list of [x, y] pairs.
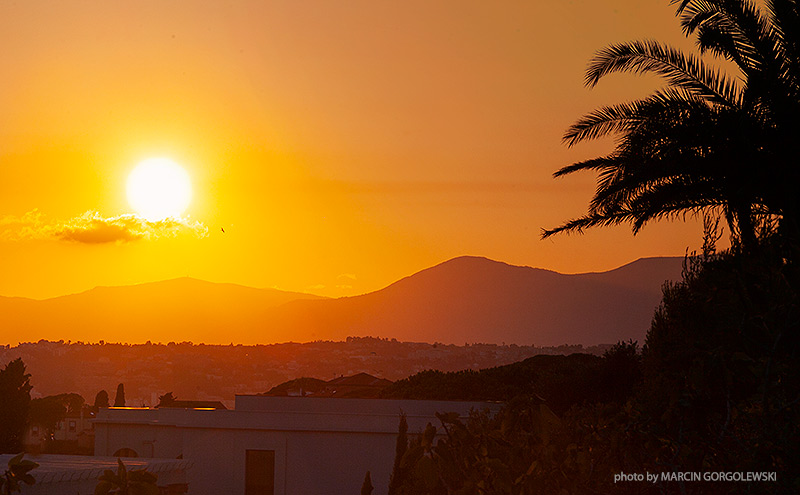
{"points": [[159, 188]]}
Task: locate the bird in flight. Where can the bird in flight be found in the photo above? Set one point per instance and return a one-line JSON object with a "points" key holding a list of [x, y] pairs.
{"points": [[222, 229]]}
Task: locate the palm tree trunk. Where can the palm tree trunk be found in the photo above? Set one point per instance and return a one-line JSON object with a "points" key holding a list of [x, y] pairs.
{"points": [[748, 239]]}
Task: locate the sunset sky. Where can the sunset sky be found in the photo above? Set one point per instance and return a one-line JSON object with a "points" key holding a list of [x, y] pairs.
{"points": [[340, 145]]}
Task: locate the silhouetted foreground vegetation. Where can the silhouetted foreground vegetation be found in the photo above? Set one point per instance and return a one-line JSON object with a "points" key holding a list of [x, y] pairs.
{"points": [[715, 389], [719, 386], [124, 482], [17, 474], [15, 403]]}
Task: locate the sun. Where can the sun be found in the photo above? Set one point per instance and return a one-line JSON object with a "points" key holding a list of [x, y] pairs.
{"points": [[159, 188]]}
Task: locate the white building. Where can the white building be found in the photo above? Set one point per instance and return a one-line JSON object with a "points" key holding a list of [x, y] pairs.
{"points": [[274, 445]]}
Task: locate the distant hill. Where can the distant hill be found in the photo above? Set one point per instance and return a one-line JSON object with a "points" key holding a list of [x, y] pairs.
{"points": [[467, 299], [182, 309], [471, 299], [561, 381]]}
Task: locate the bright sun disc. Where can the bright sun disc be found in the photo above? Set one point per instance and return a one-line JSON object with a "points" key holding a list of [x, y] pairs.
{"points": [[159, 188]]}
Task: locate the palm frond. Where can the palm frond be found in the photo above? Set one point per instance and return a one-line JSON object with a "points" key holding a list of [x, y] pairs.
{"points": [[785, 19], [752, 42], [684, 71], [602, 122], [592, 164], [578, 225]]}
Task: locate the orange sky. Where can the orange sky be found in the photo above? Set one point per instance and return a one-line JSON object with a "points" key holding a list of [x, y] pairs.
{"points": [[341, 145]]}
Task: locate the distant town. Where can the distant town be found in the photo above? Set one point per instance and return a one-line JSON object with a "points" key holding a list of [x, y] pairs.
{"points": [[218, 372]]}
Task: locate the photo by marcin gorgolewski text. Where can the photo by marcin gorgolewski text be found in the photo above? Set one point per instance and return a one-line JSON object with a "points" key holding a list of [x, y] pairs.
{"points": [[667, 476]]}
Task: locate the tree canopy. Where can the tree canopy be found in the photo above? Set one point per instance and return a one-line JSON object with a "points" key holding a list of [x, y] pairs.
{"points": [[166, 400], [101, 399], [48, 411], [15, 398]]}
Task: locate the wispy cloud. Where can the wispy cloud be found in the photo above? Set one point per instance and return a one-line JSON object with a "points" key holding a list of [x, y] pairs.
{"points": [[93, 228], [345, 281]]}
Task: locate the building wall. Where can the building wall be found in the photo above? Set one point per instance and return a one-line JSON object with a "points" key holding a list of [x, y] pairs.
{"points": [[322, 446]]}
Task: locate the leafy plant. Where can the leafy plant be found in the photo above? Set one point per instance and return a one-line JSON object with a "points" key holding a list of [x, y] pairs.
{"points": [[18, 473], [124, 482]]}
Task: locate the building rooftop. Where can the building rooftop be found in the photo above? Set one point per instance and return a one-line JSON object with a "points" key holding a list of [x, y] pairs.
{"points": [[258, 412], [195, 404]]}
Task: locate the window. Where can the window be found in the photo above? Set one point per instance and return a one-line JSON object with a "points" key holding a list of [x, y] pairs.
{"points": [[72, 425], [35, 431], [259, 477]]}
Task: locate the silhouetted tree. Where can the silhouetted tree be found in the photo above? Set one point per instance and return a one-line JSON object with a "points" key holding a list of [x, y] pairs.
{"points": [[366, 487], [73, 402], [399, 451], [621, 371], [15, 398], [119, 398], [419, 470], [47, 412], [765, 46], [101, 399], [720, 375], [166, 400]]}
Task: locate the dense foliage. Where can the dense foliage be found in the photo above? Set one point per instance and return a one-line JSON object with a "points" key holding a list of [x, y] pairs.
{"points": [[47, 412], [15, 399], [715, 389], [720, 365], [720, 386]]}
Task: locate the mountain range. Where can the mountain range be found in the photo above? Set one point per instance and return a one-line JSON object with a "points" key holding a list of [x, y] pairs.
{"points": [[465, 299]]}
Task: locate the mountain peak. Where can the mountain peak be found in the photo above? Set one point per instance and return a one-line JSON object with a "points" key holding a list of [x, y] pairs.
{"points": [[464, 299]]}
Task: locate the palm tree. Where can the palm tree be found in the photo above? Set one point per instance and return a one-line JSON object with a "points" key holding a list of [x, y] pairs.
{"points": [[766, 49], [706, 142]]}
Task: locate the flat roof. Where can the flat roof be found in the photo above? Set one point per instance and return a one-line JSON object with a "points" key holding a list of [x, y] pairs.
{"points": [[300, 414], [354, 404]]}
